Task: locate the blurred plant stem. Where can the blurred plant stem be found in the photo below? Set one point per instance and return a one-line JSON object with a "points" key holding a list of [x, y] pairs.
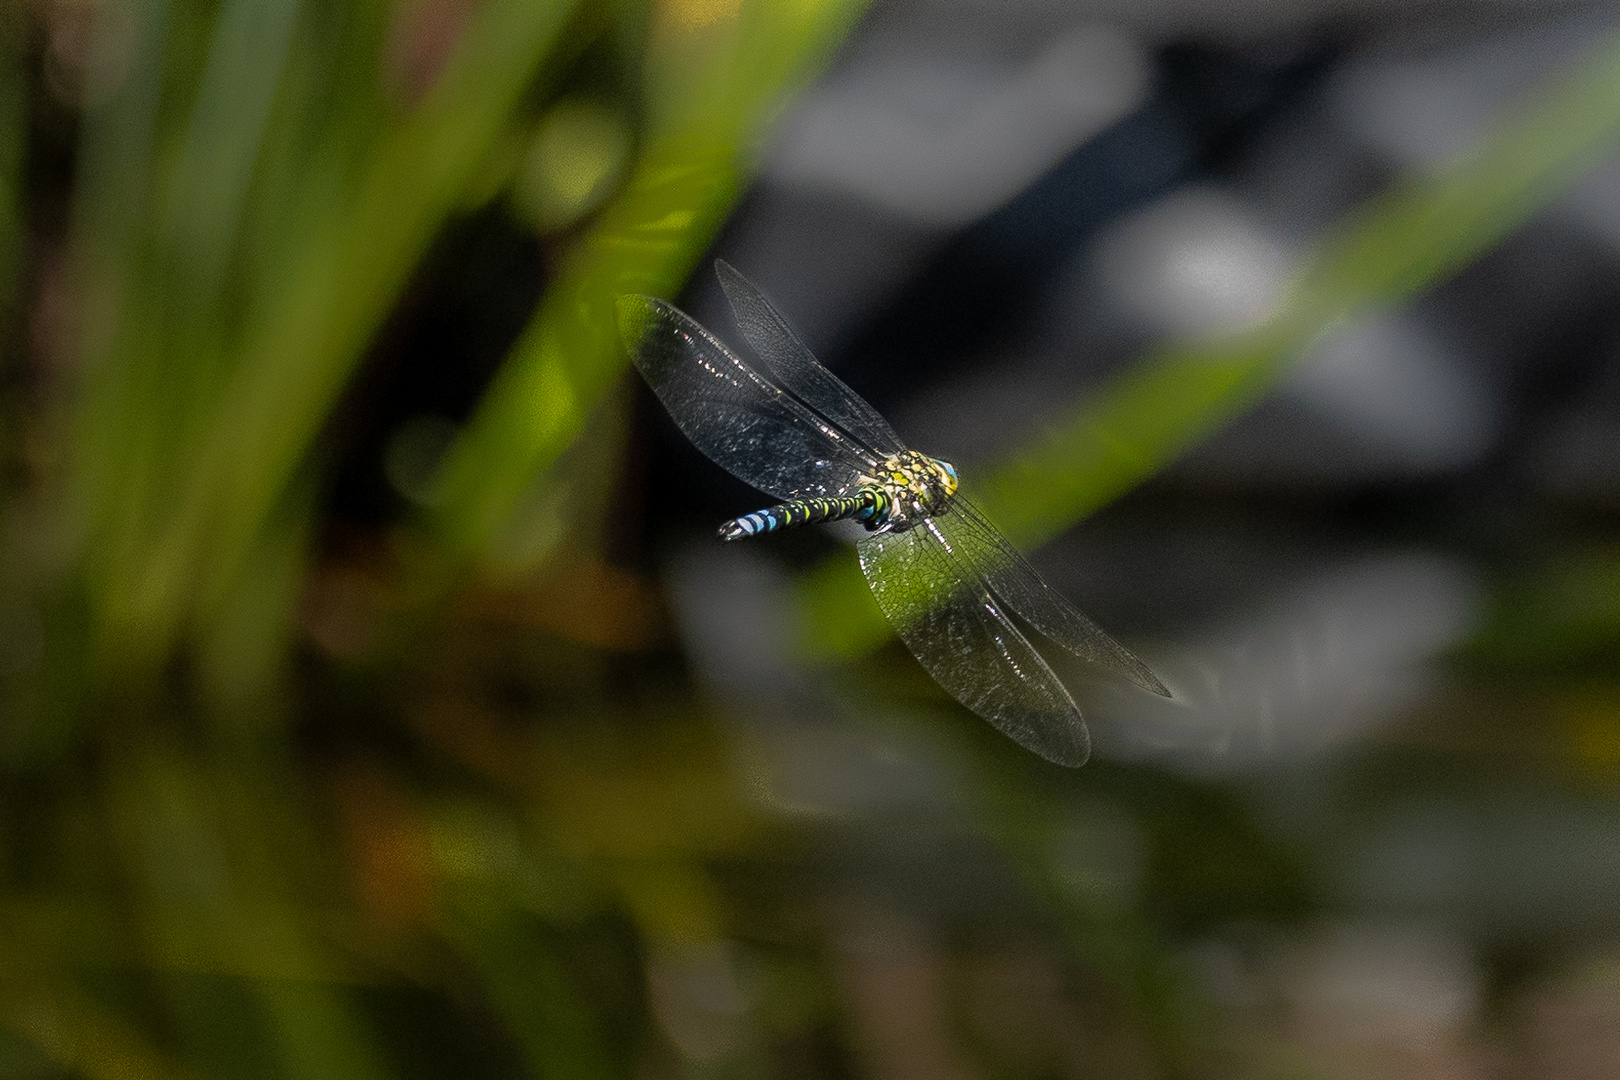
{"points": [[1407, 239], [199, 409], [79, 1033], [219, 866], [712, 88], [167, 531], [251, 203]]}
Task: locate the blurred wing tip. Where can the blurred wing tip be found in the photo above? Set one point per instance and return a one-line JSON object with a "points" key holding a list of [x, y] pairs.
{"points": [[1058, 735], [1071, 756], [731, 277], [736, 287], [1149, 681], [1133, 668], [1060, 738], [1072, 760]]}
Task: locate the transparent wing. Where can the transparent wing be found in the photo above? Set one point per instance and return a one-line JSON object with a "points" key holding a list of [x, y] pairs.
{"points": [[744, 422], [791, 363], [944, 613], [1011, 578]]}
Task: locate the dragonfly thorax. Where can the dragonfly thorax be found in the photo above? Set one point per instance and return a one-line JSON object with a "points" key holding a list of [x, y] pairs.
{"points": [[917, 487]]}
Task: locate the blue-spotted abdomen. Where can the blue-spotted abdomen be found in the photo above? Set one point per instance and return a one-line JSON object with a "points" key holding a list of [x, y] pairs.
{"points": [[868, 505]]}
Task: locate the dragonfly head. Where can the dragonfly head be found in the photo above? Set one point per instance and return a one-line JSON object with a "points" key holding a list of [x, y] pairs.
{"points": [[920, 485]]}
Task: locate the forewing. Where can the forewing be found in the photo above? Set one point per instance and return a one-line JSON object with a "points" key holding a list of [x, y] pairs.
{"points": [[791, 363], [1023, 591], [957, 630], [745, 423]]}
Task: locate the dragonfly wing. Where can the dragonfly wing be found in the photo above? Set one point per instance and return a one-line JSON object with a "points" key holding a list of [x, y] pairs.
{"points": [[958, 631], [1018, 585], [743, 421], [792, 364]]}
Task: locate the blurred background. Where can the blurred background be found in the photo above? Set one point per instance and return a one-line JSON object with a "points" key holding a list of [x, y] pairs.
{"points": [[376, 702]]}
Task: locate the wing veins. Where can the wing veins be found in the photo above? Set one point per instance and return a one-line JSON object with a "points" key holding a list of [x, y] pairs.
{"points": [[944, 612], [1025, 593], [754, 396], [797, 371]]}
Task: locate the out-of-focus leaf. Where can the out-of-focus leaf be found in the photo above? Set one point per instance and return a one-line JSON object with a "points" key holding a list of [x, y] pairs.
{"points": [[1591, 722], [538, 1001], [79, 1034], [295, 361], [223, 137], [1402, 241], [1565, 613], [670, 791], [319, 1033], [125, 88], [719, 71], [216, 860]]}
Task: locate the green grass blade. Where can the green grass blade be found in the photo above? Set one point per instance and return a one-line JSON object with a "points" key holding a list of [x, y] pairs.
{"points": [[209, 185], [709, 110], [292, 368], [1409, 238]]}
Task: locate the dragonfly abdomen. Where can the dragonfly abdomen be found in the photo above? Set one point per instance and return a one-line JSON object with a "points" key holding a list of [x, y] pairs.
{"points": [[868, 505]]}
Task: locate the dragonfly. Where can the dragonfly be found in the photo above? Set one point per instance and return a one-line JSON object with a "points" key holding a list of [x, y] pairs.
{"points": [[947, 579]]}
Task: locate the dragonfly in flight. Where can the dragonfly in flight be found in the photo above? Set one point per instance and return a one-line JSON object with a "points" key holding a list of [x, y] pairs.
{"points": [[946, 578]]}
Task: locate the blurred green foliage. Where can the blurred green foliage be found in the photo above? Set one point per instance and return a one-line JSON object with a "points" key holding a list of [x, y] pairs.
{"points": [[271, 810], [1400, 242]]}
